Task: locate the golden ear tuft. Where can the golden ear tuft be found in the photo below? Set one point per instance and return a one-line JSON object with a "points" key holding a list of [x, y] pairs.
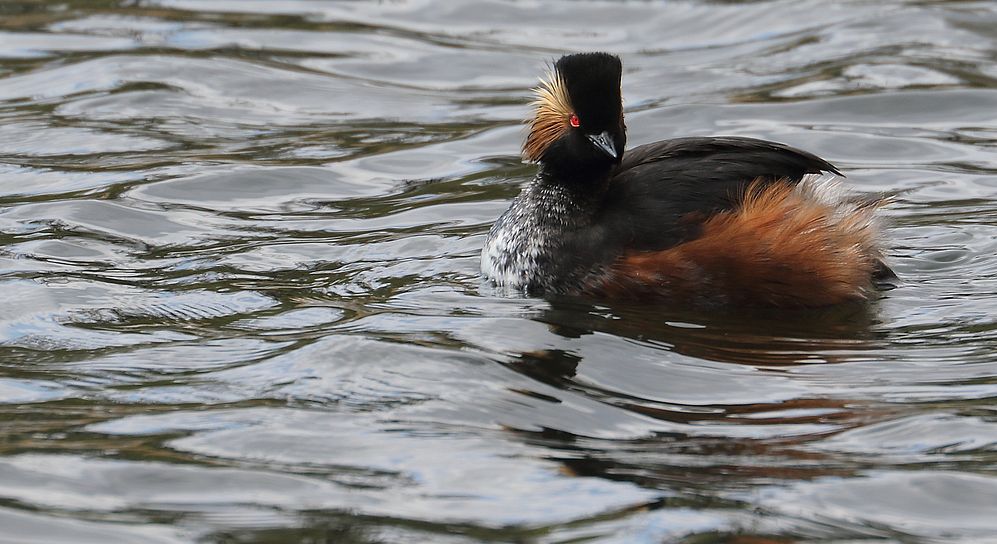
{"points": [[551, 113]]}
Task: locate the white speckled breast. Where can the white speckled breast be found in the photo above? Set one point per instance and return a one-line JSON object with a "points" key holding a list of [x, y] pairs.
{"points": [[521, 246]]}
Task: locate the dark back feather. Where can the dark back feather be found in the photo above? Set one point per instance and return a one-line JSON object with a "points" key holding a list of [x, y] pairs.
{"points": [[661, 192]]}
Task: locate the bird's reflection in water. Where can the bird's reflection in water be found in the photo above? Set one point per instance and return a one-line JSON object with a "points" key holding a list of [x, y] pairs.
{"points": [[749, 336], [718, 441]]}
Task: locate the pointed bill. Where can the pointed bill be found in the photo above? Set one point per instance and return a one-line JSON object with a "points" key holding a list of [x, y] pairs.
{"points": [[604, 142]]}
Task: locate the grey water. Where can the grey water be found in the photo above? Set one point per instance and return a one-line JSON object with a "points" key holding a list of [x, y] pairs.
{"points": [[240, 298]]}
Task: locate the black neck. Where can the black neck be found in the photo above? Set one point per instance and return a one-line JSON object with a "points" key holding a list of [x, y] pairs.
{"points": [[585, 184]]}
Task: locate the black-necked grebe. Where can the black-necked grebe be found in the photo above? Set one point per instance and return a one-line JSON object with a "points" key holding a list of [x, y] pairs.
{"points": [[720, 220]]}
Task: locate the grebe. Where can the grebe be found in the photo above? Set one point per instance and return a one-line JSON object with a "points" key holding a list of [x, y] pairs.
{"points": [[715, 221]]}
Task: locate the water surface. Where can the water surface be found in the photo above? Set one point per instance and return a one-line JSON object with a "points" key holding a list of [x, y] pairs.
{"points": [[241, 301]]}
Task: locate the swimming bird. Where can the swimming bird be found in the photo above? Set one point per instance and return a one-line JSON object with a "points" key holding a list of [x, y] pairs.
{"points": [[709, 221]]}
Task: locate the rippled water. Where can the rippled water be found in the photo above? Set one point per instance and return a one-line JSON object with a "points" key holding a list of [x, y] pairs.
{"points": [[239, 250]]}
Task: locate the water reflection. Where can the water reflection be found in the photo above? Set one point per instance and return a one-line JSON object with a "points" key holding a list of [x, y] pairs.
{"points": [[239, 246]]}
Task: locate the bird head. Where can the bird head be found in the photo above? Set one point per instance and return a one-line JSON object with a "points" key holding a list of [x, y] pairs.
{"points": [[577, 124]]}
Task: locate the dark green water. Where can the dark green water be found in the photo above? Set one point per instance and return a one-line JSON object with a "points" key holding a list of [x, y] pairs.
{"points": [[240, 301]]}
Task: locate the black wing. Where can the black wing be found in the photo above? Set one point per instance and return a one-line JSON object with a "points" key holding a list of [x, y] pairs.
{"points": [[661, 192]]}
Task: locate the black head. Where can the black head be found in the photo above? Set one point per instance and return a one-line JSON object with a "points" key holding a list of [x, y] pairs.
{"points": [[578, 128], [593, 82]]}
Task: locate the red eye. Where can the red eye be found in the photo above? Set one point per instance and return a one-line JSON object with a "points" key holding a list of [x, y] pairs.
{"points": [[574, 121]]}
